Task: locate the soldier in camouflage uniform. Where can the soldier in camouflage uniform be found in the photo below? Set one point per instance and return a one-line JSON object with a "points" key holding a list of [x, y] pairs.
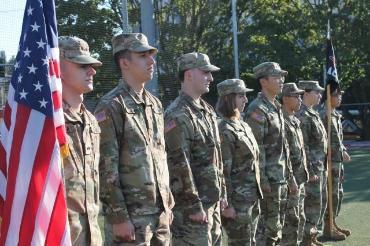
{"points": [[315, 138], [240, 156], [294, 218], [265, 117], [133, 166], [194, 156], [338, 156], [81, 167]]}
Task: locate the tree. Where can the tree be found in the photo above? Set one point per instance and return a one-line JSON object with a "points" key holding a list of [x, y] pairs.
{"points": [[292, 33], [94, 21]]}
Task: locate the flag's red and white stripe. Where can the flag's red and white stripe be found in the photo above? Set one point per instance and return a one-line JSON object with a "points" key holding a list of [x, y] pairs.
{"points": [[33, 203]]}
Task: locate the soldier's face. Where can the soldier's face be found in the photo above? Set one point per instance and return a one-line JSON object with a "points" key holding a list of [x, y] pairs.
{"points": [[77, 78], [140, 67], [273, 84], [240, 101], [201, 80], [336, 100], [294, 102], [315, 97]]}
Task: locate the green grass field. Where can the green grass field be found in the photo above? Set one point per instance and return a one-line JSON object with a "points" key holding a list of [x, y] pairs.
{"points": [[355, 213]]}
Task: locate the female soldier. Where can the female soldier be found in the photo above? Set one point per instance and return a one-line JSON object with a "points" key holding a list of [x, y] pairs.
{"points": [[240, 156]]}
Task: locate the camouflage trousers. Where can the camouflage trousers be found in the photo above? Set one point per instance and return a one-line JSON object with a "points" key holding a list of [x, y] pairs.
{"points": [[337, 186], [315, 202], [150, 230], [294, 218], [273, 206], [241, 231], [187, 232]]}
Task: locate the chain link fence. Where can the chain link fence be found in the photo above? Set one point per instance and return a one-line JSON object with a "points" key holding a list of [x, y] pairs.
{"points": [[180, 27], [175, 34]]}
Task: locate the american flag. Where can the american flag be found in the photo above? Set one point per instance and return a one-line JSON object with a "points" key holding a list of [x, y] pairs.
{"points": [[33, 141]]}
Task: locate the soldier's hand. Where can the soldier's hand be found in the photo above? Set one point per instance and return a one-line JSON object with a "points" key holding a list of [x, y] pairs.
{"points": [[346, 156], [223, 204], [229, 213], [293, 189], [200, 217], [266, 189], [313, 178], [124, 231]]}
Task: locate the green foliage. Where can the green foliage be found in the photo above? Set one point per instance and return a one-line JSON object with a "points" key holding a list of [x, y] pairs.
{"points": [[290, 32], [94, 21]]}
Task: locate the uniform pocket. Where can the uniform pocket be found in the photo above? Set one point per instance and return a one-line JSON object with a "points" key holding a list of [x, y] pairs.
{"points": [[73, 159]]}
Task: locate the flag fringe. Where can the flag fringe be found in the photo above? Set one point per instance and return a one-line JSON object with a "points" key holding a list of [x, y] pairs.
{"points": [[64, 151]]}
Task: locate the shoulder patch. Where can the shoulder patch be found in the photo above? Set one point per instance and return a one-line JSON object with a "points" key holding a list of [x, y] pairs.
{"points": [[169, 126], [100, 116], [258, 117]]}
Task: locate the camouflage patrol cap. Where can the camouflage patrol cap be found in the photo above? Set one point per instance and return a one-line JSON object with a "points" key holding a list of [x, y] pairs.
{"points": [[195, 60], [232, 86], [136, 42], [291, 89], [268, 69], [76, 50], [310, 85]]}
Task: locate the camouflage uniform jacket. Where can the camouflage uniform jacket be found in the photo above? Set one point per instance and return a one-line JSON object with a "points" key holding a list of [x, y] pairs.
{"points": [[81, 175], [267, 123], [133, 166], [240, 155], [194, 154], [297, 155], [314, 137], [336, 137]]}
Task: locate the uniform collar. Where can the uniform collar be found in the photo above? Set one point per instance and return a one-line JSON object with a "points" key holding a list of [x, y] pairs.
{"points": [[309, 110], [276, 104], [145, 100], [334, 112], [286, 114], [198, 106], [71, 115]]}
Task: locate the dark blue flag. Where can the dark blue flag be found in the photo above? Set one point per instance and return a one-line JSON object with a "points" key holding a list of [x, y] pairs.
{"points": [[331, 65], [331, 72]]}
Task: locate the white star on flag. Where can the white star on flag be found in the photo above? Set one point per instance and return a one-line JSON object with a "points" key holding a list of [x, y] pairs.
{"points": [[46, 61], [35, 27], [41, 44], [38, 86], [23, 94], [43, 103], [33, 205], [27, 52], [29, 11], [32, 69], [16, 65]]}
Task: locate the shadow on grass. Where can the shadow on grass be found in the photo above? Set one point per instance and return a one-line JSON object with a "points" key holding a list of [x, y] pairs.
{"points": [[357, 176]]}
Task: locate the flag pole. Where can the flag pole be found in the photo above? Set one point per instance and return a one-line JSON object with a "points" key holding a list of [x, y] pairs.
{"points": [[329, 161]]}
